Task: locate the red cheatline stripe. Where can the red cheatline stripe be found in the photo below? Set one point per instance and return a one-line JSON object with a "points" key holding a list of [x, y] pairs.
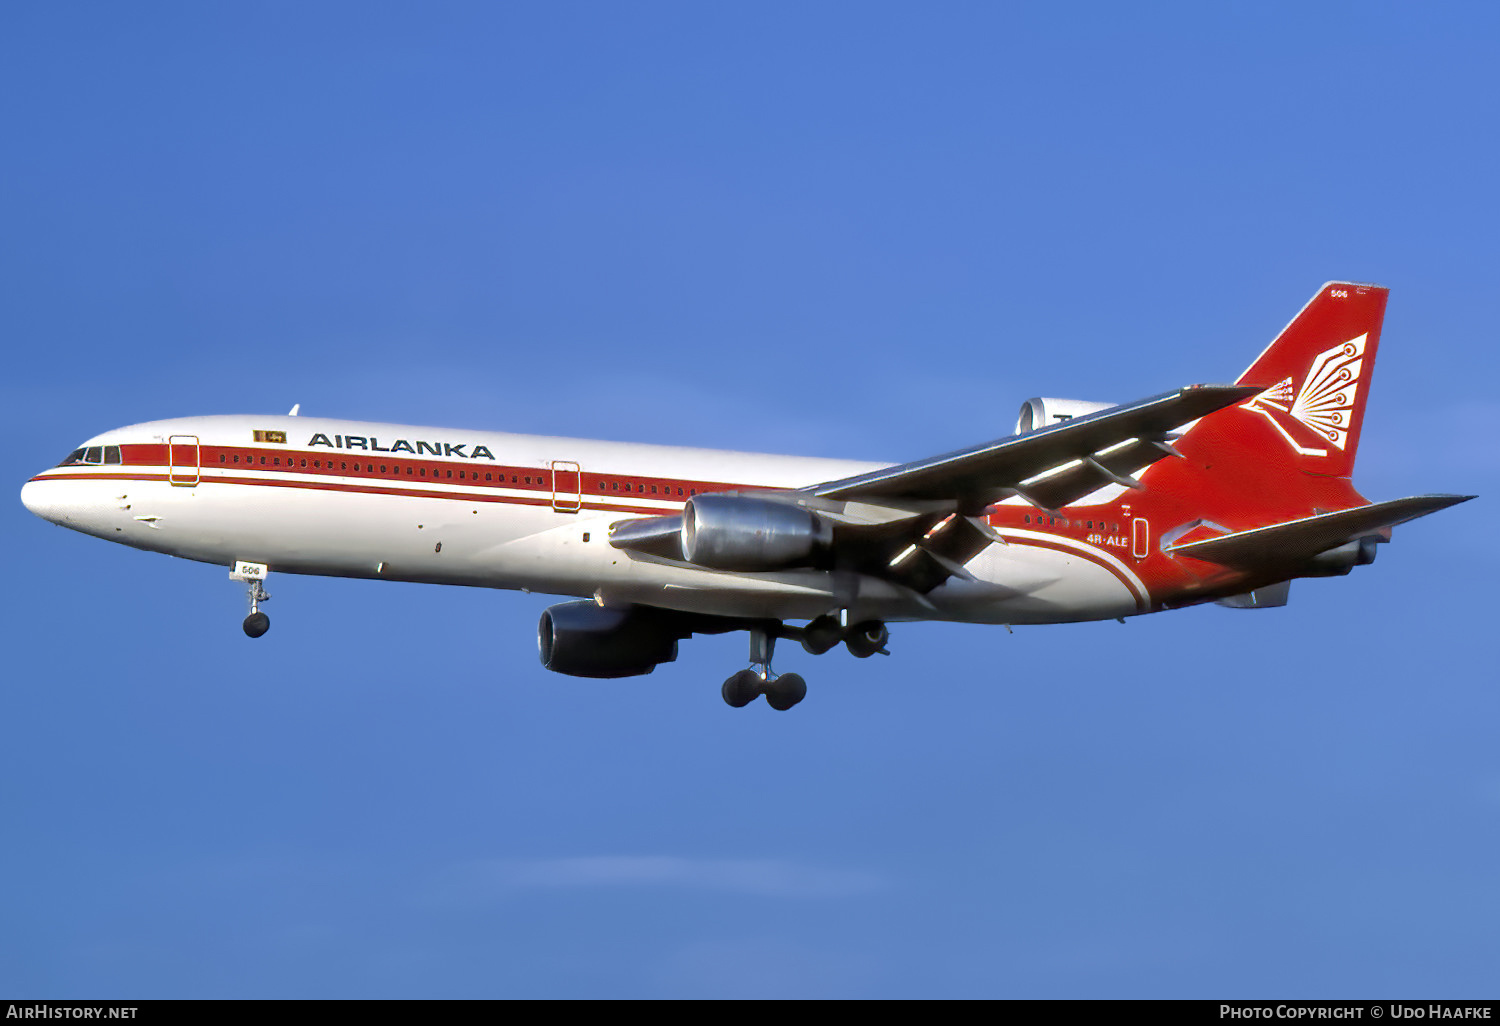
{"points": [[1142, 600], [352, 461], [332, 486]]}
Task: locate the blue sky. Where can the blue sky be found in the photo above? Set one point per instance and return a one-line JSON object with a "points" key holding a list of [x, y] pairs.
{"points": [[834, 229]]}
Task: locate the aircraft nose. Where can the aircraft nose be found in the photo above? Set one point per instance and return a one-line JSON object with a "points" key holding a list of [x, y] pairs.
{"points": [[42, 499], [80, 505]]}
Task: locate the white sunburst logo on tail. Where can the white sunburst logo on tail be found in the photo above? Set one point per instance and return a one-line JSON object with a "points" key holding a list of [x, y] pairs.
{"points": [[1325, 403]]}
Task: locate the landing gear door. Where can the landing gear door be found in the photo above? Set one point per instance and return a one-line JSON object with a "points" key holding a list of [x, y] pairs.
{"points": [[567, 487], [183, 453]]}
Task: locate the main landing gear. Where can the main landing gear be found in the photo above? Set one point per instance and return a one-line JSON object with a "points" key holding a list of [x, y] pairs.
{"points": [[253, 575], [785, 690], [861, 639], [782, 691]]}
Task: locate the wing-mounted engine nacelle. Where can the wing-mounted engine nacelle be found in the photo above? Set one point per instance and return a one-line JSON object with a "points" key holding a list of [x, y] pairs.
{"points": [[583, 639], [1042, 412], [746, 532]]}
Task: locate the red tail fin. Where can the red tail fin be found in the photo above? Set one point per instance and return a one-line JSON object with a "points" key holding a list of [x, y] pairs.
{"points": [[1317, 377], [1288, 452]]}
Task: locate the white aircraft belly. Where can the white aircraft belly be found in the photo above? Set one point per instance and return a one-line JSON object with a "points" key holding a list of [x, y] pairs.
{"points": [[1024, 582]]}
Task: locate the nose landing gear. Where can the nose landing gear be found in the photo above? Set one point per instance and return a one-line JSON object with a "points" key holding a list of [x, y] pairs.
{"points": [[257, 623], [253, 575]]}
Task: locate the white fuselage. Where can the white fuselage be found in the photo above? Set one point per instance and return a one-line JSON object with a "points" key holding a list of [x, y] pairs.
{"points": [[341, 498]]}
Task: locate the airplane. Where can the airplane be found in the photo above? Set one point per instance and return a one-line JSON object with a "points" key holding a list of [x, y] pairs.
{"points": [[1090, 511]]}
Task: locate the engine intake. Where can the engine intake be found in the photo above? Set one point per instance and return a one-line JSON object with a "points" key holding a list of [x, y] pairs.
{"points": [[1042, 412], [737, 532], [583, 639]]}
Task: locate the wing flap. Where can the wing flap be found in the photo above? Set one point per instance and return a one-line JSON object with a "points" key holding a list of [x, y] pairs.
{"points": [[940, 553], [1073, 480]]}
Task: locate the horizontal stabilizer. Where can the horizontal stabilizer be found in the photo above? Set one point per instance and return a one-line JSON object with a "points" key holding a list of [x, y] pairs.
{"points": [[1298, 541]]}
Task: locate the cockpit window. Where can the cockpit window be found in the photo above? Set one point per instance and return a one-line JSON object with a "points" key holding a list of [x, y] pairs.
{"points": [[93, 455]]}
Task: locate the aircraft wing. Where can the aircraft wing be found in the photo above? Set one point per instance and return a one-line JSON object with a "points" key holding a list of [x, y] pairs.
{"points": [[918, 523], [1050, 467], [1297, 541]]}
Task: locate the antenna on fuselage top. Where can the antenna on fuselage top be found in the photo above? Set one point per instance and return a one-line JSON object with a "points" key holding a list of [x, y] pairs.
{"points": [[293, 411]]}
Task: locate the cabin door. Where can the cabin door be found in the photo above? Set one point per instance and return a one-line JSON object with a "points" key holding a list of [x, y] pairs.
{"points": [[1140, 538], [183, 453], [567, 487]]}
